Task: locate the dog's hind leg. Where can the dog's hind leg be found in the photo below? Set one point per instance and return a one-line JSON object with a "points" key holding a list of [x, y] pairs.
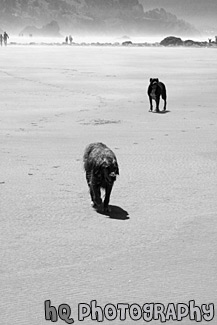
{"points": [[157, 104], [164, 95], [151, 106], [165, 104]]}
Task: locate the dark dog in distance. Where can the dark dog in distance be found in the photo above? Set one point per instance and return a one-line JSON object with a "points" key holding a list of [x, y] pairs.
{"points": [[101, 169], [155, 90]]}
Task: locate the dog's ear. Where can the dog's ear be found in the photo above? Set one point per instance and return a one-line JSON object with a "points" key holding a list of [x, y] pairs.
{"points": [[157, 79], [151, 80], [116, 167]]}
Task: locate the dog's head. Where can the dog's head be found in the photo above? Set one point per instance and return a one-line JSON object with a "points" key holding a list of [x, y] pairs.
{"points": [[154, 81], [109, 169], [153, 87]]}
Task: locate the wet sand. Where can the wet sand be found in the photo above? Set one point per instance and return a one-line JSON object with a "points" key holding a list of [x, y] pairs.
{"points": [[159, 243]]}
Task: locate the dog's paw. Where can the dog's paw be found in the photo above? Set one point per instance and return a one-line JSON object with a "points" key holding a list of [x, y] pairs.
{"points": [[94, 205]]}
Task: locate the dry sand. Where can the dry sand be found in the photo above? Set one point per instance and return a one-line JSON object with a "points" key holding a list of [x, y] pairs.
{"points": [[56, 100]]}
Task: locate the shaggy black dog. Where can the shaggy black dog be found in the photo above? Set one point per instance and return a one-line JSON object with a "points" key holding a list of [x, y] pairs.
{"points": [[155, 90], [101, 169]]}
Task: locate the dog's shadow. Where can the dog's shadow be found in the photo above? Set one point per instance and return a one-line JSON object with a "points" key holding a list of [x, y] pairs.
{"points": [[115, 213], [161, 112]]}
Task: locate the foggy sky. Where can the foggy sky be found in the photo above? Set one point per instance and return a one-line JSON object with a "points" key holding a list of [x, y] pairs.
{"points": [[197, 12]]}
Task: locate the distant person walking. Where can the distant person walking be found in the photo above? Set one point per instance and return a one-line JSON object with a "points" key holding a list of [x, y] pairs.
{"points": [[70, 39], [5, 36], [67, 39], [1, 39]]}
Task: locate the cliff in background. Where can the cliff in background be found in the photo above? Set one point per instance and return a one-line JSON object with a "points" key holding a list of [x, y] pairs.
{"points": [[98, 17]]}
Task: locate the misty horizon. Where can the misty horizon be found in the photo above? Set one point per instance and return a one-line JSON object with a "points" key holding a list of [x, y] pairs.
{"points": [[138, 18]]}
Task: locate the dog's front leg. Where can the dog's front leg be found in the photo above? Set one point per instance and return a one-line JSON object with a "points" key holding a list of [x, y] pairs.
{"points": [[96, 195], [107, 197], [92, 196]]}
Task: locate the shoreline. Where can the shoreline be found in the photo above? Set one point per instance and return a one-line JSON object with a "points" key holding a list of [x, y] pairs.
{"points": [[186, 44]]}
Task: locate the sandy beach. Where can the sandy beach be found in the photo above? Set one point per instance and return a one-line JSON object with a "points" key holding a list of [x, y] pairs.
{"points": [[159, 242]]}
